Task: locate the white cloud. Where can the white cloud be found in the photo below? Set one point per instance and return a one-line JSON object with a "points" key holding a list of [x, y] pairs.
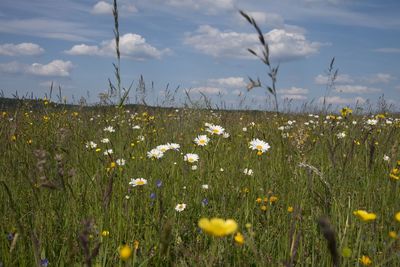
{"points": [[294, 91], [22, 49], [356, 89], [294, 97], [229, 82], [379, 78], [54, 68], [105, 8], [208, 90], [337, 100], [284, 45], [101, 8], [392, 50], [341, 78], [131, 46]]}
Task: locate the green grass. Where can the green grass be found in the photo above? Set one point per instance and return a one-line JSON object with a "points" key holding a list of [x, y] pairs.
{"points": [[57, 196]]}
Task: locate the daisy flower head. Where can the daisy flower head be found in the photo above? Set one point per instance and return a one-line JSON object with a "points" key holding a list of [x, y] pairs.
{"points": [[259, 145], [91, 145], [137, 182], [215, 129], [109, 129], [191, 158], [202, 140], [155, 154], [173, 146], [180, 207], [372, 122], [163, 148]]}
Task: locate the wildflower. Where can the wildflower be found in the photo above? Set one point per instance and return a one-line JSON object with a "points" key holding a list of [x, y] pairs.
{"points": [[365, 260], [290, 209], [225, 135], [180, 207], [191, 158], [341, 135], [204, 202], [105, 140], [395, 174], [158, 183], [215, 129], [108, 152], [44, 262], [173, 146], [386, 158], [105, 233], [113, 165], [259, 200], [138, 182], [120, 162], [153, 195], [244, 129], [397, 216], [163, 148], [205, 186], [135, 245], [273, 199], [140, 138], [91, 145], [372, 122], [125, 252], [136, 127], [248, 172], [218, 227], [109, 129], [155, 154], [393, 234], [263, 208], [346, 112], [239, 239], [259, 145], [364, 215], [194, 167], [201, 140]]}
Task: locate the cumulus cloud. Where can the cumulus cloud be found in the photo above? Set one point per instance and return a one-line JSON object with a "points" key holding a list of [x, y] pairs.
{"points": [[294, 97], [294, 91], [356, 89], [379, 78], [208, 90], [235, 82], [270, 19], [105, 8], [284, 45], [337, 100], [22, 49], [341, 78], [131, 46], [54, 68]]}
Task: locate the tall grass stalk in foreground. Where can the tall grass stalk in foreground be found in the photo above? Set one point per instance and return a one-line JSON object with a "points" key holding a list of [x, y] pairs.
{"points": [[117, 90], [273, 71]]}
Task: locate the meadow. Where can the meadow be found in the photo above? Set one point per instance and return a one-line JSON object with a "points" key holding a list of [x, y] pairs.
{"points": [[139, 186]]}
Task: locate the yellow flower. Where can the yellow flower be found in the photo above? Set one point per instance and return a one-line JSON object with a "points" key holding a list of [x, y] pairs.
{"points": [[113, 165], [125, 252], [218, 227], [136, 244], [273, 199], [258, 200], [105, 233], [290, 209], [346, 111], [395, 174], [397, 216], [364, 215], [239, 239], [263, 208], [346, 252], [393, 234], [365, 260]]}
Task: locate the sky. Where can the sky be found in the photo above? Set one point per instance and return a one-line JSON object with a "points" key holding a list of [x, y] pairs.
{"points": [[199, 47]]}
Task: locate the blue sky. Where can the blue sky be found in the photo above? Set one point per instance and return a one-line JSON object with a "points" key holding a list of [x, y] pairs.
{"points": [[200, 46]]}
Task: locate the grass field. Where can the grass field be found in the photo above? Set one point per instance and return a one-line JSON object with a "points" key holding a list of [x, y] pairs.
{"points": [[70, 193]]}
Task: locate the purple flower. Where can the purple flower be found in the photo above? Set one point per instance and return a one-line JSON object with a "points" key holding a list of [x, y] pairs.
{"points": [[204, 202], [44, 262], [153, 195], [159, 183]]}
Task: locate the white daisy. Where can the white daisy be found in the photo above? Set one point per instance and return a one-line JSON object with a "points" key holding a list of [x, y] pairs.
{"points": [[180, 207], [163, 148], [173, 146], [137, 182], [109, 129], [261, 146], [201, 140], [191, 158], [155, 153], [215, 129]]}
